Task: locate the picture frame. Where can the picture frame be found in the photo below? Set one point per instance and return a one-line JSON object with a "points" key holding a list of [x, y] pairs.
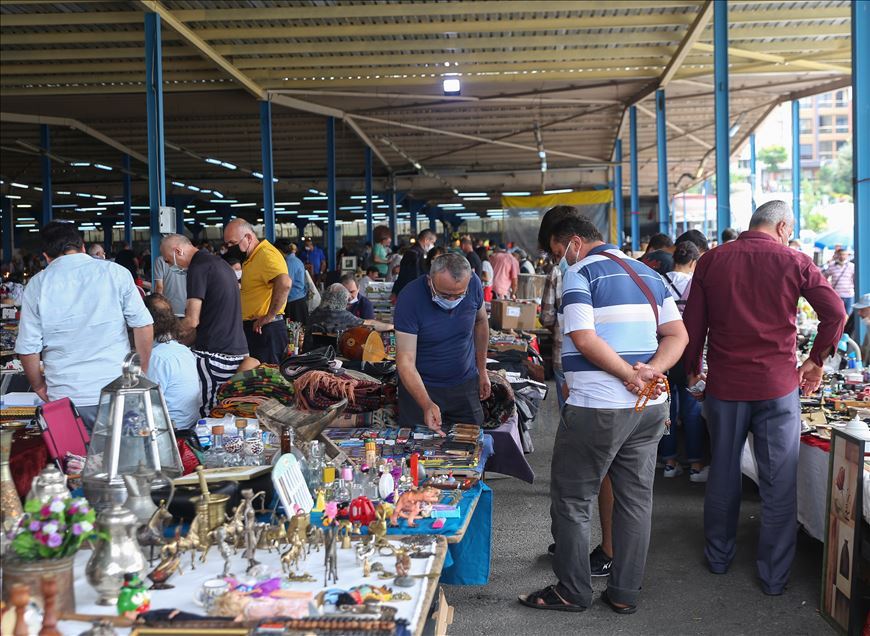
{"points": [[348, 263], [843, 534]]}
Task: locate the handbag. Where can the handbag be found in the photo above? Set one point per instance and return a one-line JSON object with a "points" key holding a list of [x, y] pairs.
{"points": [[63, 429]]}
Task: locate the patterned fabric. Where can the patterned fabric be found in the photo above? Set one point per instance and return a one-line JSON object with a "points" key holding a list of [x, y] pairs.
{"points": [[551, 302], [214, 369], [499, 407], [318, 390]]}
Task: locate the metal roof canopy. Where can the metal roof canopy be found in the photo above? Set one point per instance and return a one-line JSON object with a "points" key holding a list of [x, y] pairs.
{"points": [[557, 78]]}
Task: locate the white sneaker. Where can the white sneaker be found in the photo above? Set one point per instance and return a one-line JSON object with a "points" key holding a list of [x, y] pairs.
{"points": [[674, 470], [699, 476]]}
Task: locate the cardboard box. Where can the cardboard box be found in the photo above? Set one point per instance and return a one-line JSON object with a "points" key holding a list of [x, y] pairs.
{"points": [[512, 314]]}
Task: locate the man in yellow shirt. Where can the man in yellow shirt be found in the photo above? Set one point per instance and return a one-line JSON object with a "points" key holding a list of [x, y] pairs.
{"points": [[265, 285]]}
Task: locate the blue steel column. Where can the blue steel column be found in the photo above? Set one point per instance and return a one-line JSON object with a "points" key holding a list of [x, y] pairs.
{"points": [[154, 100], [128, 199], [632, 167], [330, 193], [369, 204], [723, 140], [706, 192], [617, 193], [7, 229], [752, 169], [662, 158], [45, 160], [108, 231], [392, 212], [685, 216], [413, 212], [268, 172], [433, 222], [796, 164], [861, 148]]}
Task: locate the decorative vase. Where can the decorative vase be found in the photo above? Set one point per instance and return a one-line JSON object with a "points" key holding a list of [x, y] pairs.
{"points": [[10, 504], [30, 573]]}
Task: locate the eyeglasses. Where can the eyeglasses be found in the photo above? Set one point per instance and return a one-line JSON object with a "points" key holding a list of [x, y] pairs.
{"points": [[447, 296]]}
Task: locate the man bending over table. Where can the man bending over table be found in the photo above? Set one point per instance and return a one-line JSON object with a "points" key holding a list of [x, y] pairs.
{"points": [[442, 335]]}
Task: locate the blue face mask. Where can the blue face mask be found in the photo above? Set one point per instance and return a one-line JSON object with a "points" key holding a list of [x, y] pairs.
{"points": [[563, 265], [445, 304]]}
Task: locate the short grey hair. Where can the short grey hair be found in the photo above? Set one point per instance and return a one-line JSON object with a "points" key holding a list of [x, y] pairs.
{"points": [[454, 264], [175, 239], [335, 297], [771, 214]]}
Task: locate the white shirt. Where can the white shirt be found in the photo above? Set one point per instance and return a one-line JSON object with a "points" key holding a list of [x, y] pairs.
{"points": [[173, 367], [487, 268], [75, 313]]}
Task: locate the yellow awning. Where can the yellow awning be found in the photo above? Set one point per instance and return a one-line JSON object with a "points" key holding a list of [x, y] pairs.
{"points": [[587, 197]]}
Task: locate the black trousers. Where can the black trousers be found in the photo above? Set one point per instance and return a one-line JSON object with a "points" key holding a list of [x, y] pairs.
{"points": [[459, 404], [270, 346], [297, 310]]}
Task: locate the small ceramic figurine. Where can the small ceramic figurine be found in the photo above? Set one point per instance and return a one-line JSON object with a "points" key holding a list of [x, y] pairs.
{"points": [[403, 569], [411, 502], [133, 599]]}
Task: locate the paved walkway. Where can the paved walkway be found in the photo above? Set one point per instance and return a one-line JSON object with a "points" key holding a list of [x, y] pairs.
{"points": [[680, 596]]}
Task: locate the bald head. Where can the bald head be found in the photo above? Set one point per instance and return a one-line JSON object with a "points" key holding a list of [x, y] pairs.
{"points": [[240, 232], [176, 249]]}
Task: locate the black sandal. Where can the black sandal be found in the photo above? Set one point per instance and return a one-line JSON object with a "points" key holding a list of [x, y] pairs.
{"points": [[628, 609], [552, 600]]}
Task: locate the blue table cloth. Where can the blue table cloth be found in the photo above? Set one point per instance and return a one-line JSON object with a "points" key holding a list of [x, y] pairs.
{"points": [[467, 562]]}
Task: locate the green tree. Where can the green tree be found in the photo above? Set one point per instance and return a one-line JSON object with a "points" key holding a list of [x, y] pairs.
{"points": [[772, 157], [837, 176]]}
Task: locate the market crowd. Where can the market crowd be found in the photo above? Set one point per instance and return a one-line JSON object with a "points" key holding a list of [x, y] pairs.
{"points": [[689, 339]]}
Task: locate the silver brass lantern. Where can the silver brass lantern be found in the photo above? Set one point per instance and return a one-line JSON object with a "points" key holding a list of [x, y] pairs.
{"points": [[132, 433]]}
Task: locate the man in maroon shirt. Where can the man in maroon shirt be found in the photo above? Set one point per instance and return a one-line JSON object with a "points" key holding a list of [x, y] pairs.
{"points": [[743, 304]]}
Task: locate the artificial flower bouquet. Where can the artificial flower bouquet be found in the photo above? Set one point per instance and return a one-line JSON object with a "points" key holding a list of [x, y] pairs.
{"points": [[53, 530]]}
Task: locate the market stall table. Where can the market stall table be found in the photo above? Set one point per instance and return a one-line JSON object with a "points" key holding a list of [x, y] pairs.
{"points": [[416, 611], [812, 483]]}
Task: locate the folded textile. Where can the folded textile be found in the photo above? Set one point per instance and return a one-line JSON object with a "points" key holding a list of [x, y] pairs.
{"points": [[317, 360], [242, 393]]}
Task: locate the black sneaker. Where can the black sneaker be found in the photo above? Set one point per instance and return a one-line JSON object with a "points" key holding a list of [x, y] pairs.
{"points": [[599, 562]]}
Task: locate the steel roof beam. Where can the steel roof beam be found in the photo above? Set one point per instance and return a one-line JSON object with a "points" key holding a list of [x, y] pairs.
{"points": [[203, 47], [799, 62], [689, 40], [676, 128], [67, 122]]}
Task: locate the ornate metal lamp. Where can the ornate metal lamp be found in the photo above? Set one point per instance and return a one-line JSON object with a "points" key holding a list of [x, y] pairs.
{"points": [[132, 433]]}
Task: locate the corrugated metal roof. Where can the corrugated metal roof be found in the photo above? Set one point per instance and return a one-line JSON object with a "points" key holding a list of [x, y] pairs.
{"points": [[569, 69]]}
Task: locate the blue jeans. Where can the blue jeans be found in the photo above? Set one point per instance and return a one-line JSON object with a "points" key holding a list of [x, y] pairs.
{"points": [[559, 377], [848, 301], [688, 410]]}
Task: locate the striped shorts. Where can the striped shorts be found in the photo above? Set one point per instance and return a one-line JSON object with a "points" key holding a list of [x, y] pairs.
{"points": [[214, 369]]}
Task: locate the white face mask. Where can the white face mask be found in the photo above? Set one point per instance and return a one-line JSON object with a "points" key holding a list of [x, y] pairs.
{"points": [[353, 301], [238, 274], [427, 247]]}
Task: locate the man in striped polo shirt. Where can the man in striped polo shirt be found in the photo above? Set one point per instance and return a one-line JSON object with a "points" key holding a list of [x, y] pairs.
{"points": [[622, 330]]}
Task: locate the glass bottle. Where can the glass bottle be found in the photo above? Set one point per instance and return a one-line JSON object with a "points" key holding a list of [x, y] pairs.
{"points": [[329, 481], [370, 483], [342, 487], [216, 456], [315, 465]]}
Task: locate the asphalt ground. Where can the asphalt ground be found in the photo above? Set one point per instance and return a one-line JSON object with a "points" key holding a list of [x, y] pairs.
{"points": [[680, 596]]}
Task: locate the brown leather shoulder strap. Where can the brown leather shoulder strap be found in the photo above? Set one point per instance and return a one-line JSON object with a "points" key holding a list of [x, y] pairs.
{"points": [[638, 281]]}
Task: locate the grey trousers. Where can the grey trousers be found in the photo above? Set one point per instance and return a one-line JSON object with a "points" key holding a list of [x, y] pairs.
{"points": [[775, 426], [589, 444]]}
